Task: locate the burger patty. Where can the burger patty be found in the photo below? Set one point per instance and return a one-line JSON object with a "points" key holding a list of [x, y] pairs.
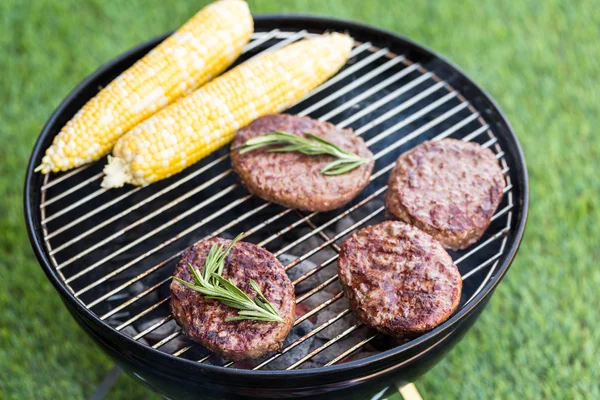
{"points": [[449, 189], [398, 279], [293, 179], [204, 320]]}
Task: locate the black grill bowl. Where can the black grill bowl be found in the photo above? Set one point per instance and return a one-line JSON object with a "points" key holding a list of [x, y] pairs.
{"points": [[178, 377]]}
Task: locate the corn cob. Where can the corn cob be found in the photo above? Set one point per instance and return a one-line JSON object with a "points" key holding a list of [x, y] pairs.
{"points": [[202, 48], [202, 122]]}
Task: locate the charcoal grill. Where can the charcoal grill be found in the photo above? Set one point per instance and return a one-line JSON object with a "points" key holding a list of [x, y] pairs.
{"points": [[110, 253]]}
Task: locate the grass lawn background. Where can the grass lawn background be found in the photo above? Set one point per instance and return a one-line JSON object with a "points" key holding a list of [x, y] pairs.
{"points": [[539, 337]]}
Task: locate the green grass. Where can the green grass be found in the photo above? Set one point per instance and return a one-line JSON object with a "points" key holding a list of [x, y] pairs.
{"points": [[539, 337]]}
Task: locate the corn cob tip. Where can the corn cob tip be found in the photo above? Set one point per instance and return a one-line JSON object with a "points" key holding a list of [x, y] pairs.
{"points": [[46, 166], [345, 40], [116, 173]]}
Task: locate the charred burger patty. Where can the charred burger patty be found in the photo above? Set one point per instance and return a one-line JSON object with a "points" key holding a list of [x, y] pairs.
{"points": [[204, 320], [449, 189], [293, 179], [398, 279]]}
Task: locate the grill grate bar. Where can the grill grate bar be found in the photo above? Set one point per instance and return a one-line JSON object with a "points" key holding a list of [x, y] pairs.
{"points": [[490, 142], [356, 83], [456, 127], [183, 350], [140, 221], [93, 212], [133, 299], [479, 267], [153, 327], [482, 265], [146, 311], [351, 350], [419, 131], [323, 347], [383, 101], [167, 339], [258, 40], [71, 190], [369, 92], [147, 235], [294, 37], [477, 248], [166, 243], [301, 339], [501, 212], [315, 310], [206, 357], [162, 263], [489, 274], [73, 206], [476, 133], [139, 204], [323, 226], [322, 235], [416, 116], [317, 288], [347, 71], [66, 175], [131, 281], [284, 230], [403, 106], [339, 235], [313, 271]]}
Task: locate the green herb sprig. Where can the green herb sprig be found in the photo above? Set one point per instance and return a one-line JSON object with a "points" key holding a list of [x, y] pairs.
{"points": [[213, 286], [313, 145]]}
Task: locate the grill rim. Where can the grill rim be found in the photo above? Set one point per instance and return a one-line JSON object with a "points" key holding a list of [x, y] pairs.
{"points": [[271, 21]]}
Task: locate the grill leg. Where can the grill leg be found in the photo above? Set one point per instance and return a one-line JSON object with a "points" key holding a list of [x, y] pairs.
{"points": [[409, 392], [107, 383]]}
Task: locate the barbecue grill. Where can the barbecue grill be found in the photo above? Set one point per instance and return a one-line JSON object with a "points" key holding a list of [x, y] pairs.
{"points": [[110, 253]]}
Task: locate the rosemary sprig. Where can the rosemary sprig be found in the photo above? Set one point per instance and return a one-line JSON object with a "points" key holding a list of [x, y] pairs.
{"points": [[313, 145], [213, 286]]}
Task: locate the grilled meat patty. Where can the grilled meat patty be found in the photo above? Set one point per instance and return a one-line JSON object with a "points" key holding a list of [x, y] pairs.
{"points": [[294, 179], [449, 189], [398, 279], [203, 320]]}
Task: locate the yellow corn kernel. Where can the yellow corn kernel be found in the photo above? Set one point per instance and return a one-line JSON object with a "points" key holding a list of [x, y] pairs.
{"points": [[198, 124], [201, 49]]}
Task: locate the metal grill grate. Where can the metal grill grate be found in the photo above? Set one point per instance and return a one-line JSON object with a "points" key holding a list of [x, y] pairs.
{"points": [[115, 250]]}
